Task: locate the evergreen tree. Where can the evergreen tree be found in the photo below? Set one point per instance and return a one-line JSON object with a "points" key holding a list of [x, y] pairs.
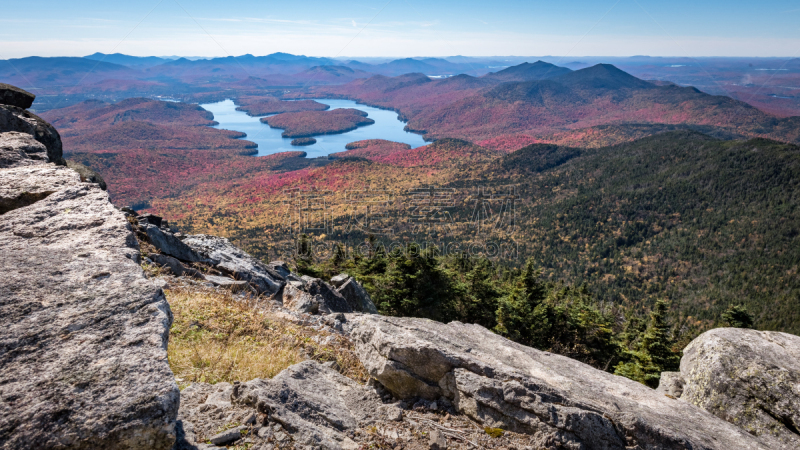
{"points": [[476, 290], [303, 259], [737, 316], [654, 353], [521, 314]]}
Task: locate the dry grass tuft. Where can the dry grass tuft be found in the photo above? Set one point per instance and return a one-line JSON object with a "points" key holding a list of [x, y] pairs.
{"points": [[216, 337]]}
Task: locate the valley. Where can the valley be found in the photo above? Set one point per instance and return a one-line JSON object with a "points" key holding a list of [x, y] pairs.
{"points": [[399, 225], [557, 141]]}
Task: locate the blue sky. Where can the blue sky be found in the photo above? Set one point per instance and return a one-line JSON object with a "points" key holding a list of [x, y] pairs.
{"points": [[396, 28]]}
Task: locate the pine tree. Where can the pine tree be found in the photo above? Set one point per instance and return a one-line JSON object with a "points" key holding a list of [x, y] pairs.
{"points": [[654, 353], [737, 316], [522, 315], [303, 259]]}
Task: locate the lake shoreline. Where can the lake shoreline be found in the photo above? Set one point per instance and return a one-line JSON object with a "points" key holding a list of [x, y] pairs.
{"points": [[269, 140]]}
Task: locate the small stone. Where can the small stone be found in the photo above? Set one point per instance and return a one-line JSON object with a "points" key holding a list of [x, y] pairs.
{"points": [[280, 436], [227, 436], [394, 413], [250, 419], [332, 365], [264, 432], [349, 444], [340, 279], [208, 447], [228, 283], [438, 440]]}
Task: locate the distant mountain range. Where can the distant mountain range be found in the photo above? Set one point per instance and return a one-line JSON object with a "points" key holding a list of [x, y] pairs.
{"points": [[541, 100], [60, 81]]}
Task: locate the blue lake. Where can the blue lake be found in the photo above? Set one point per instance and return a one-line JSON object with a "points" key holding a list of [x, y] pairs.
{"points": [[387, 126]]}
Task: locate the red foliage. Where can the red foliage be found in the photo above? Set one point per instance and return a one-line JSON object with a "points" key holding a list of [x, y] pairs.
{"points": [[128, 135], [147, 149], [594, 96], [262, 106], [94, 114], [314, 123], [373, 149]]}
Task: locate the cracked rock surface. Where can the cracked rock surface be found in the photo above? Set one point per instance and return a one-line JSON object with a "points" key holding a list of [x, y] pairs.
{"points": [[563, 403], [235, 262], [20, 149], [83, 335], [17, 119]]}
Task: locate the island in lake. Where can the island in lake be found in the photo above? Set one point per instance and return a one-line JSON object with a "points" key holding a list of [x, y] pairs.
{"points": [[314, 123], [262, 106], [304, 141]]}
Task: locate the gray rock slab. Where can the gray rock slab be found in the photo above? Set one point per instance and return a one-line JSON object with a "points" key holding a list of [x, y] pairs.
{"points": [[339, 280], [326, 296], [20, 149], [174, 266], [167, 243], [237, 263], [749, 378], [24, 186], [282, 269], [671, 383], [357, 297], [18, 119], [502, 384], [14, 96], [316, 405], [83, 333], [228, 283], [296, 299]]}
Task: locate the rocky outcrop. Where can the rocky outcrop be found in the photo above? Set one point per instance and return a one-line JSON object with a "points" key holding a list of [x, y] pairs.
{"points": [[166, 242], [749, 378], [20, 149], [308, 405], [83, 361], [17, 119], [14, 96], [174, 266], [237, 271], [294, 298], [232, 261], [315, 404], [357, 297], [563, 403]]}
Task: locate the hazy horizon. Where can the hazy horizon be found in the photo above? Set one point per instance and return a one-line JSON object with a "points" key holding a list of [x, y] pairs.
{"points": [[402, 28], [530, 58]]}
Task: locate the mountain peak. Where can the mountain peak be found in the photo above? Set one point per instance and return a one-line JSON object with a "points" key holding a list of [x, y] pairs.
{"points": [[526, 71], [603, 76]]}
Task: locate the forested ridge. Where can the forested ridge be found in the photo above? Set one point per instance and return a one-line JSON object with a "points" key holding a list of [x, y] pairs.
{"points": [[682, 216]]}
